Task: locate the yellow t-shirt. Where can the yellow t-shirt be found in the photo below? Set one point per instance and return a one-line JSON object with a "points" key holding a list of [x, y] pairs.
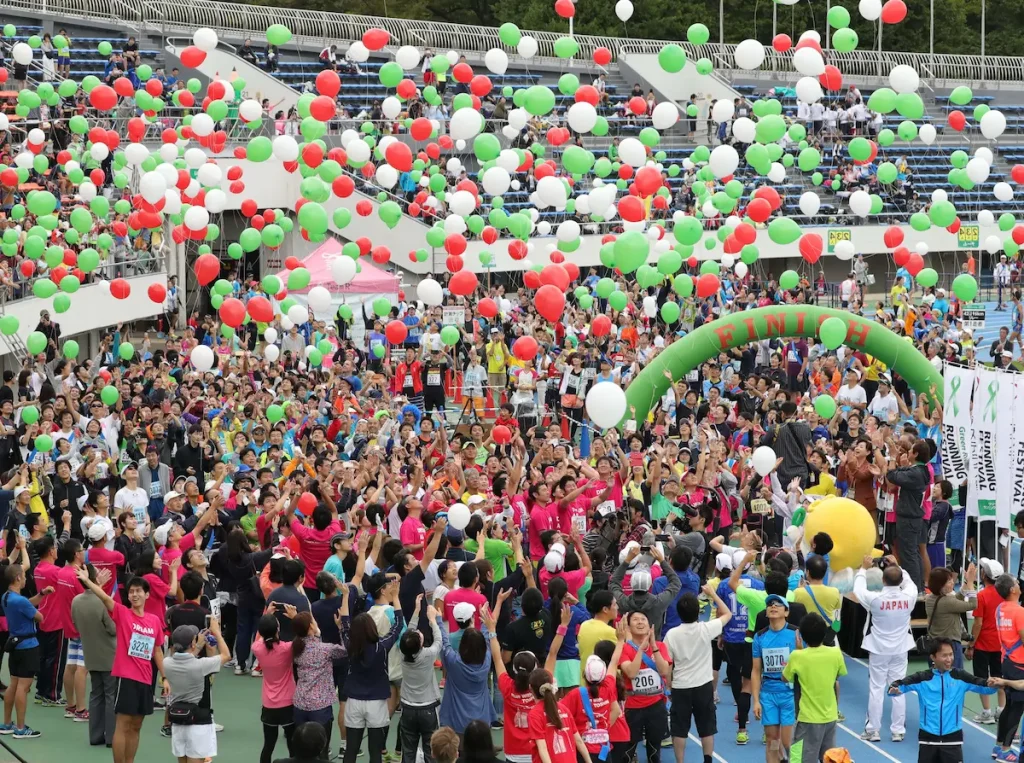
{"points": [[895, 292], [826, 486], [591, 632], [495, 362], [829, 598]]}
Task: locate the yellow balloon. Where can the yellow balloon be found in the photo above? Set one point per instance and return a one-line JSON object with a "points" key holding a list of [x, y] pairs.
{"points": [[848, 524]]}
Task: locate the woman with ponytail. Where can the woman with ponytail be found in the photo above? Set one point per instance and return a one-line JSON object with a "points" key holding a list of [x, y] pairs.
{"points": [[567, 666], [552, 729], [275, 659], [518, 698]]}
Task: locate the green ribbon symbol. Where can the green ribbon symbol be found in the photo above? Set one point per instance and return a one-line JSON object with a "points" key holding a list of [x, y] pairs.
{"points": [[954, 384], [990, 404]]}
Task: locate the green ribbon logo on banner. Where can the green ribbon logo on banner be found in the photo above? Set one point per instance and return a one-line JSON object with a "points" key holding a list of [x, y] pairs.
{"points": [[990, 404], [954, 388]]}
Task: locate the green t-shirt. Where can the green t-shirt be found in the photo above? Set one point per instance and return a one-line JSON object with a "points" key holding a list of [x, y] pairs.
{"points": [[816, 668], [660, 507], [753, 600], [496, 552]]}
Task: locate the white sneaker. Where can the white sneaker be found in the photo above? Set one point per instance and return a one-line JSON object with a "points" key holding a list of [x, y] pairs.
{"points": [[716, 697], [239, 670], [218, 728], [986, 717], [898, 737], [256, 673], [871, 736], [231, 663]]}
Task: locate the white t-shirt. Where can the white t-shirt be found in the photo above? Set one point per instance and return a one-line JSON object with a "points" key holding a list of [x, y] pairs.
{"points": [[882, 406], [690, 648], [817, 112], [848, 396], [135, 501]]}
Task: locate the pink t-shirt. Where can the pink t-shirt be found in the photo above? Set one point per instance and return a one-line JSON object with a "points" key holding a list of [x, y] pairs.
{"points": [[68, 587], [573, 580], [574, 514], [156, 604], [458, 596], [615, 495], [412, 533], [46, 576], [105, 559], [278, 677], [927, 503], [541, 518], [137, 639], [518, 504], [187, 543], [314, 548]]}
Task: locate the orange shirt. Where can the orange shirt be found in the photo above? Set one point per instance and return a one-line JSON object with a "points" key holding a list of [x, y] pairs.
{"points": [[971, 265], [1009, 624], [826, 385]]}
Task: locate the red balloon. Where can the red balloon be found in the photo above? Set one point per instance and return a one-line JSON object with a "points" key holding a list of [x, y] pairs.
{"points": [[9, 177], [647, 181], [364, 208], [232, 312], [343, 186], [894, 11], [601, 325], [893, 236], [103, 97], [328, 83], [745, 233], [27, 268], [957, 120], [463, 283], [900, 256], [602, 56], [454, 263], [406, 89], [480, 85], [489, 235], [399, 156], [207, 269], [119, 288], [455, 243], [517, 251], [811, 247], [260, 309], [192, 56], [462, 73], [396, 331], [954, 227], [157, 293], [322, 108], [587, 94], [421, 128], [1017, 234], [708, 285], [831, 78], [550, 302], [307, 502], [123, 87], [915, 263], [487, 307], [555, 275], [501, 433], [565, 8], [572, 269], [312, 154], [525, 348], [154, 87], [637, 105], [380, 254], [631, 209], [249, 207], [782, 43], [759, 210], [770, 195]]}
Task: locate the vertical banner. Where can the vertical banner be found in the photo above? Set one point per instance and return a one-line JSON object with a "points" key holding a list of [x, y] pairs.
{"points": [[983, 490], [1005, 447], [956, 423], [1016, 476]]}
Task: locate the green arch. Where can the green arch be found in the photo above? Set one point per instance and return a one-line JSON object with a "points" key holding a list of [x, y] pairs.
{"points": [[749, 326]]}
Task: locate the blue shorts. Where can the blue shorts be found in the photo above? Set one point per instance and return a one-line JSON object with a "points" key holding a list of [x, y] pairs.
{"points": [[778, 708]]}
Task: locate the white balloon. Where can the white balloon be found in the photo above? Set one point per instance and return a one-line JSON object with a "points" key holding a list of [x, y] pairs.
{"points": [[21, 53], [408, 57], [624, 10], [808, 90], [172, 202], [343, 269], [904, 79], [749, 54], [543, 228], [509, 132], [527, 47], [347, 136], [205, 39], [518, 119], [844, 250], [808, 62], [298, 314], [870, 9], [921, 247], [466, 124], [939, 195], [551, 191], [665, 115], [271, 352], [452, 56], [196, 218], [650, 305], [810, 203], [927, 134], [5, 123], [724, 161], [36, 136], [168, 152], [777, 173], [429, 292], [270, 335], [993, 123], [216, 200], [458, 516], [1003, 191], [201, 358], [496, 181], [744, 130], [606, 405], [357, 52], [860, 203], [764, 457], [391, 107], [171, 176], [319, 299], [633, 153], [723, 110], [202, 124], [152, 187], [210, 175], [386, 176], [286, 149], [194, 158], [582, 117], [569, 230], [454, 224], [741, 269], [986, 218], [496, 61], [358, 150], [87, 191], [135, 154], [286, 325], [99, 151], [993, 244], [462, 203], [978, 170], [250, 110]]}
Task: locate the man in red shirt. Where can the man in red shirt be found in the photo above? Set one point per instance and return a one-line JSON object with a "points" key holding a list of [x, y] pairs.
{"points": [[74, 672], [1010, 629], [984, 648], [52, 644]]}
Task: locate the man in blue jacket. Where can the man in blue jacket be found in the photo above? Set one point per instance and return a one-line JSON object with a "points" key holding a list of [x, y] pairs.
{"points": [[940, 693]]}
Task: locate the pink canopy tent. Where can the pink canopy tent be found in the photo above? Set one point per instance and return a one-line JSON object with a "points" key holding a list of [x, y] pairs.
{"points": [[370, 280]]}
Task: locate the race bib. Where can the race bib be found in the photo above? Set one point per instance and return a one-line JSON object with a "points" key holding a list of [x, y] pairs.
{"points": [[408, 381], [647, 682], [595, 737], [692, 376], [215, 607], [141, 646], [434, 380], [774, 660], [793, 356], [140, 514], [579, 523]]}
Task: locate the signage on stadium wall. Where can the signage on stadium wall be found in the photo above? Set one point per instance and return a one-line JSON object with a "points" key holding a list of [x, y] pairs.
{"points": [[967, 237], [835, 235]]}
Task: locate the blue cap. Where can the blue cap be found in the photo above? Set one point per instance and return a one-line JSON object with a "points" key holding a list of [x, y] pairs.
{"points": [[774, 598]]}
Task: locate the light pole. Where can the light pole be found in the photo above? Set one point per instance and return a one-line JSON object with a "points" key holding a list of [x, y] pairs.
{"points": [[721, 22]]}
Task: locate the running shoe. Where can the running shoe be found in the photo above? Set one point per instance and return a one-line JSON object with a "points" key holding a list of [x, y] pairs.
{"points": [[871, 736], [165, 731], [8, 728], [986, 717], [231, 663], [26, 733], [218, 728], [69, 711], [82, 716], [1004, 756], [995, 751], [666, 742], [716, 698], [742, 737], [497, 724], [239, 670], [898, 737], [47, 702], [841, 716], [37, 700], [256, 673]]}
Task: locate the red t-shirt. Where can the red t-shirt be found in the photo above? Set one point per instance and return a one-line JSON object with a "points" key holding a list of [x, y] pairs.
{"points": [[412, 533], [615, 495], [560, 742], [137, 639], [573, 580], [595, 737], [457, 596], [67, 588], [988, 600], [647, 687], [105, 559], [1009, 624], [46, 576], [517, 716]]}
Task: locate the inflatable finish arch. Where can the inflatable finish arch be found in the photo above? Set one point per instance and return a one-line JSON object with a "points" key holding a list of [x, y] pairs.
{"points": [[780, 321]]}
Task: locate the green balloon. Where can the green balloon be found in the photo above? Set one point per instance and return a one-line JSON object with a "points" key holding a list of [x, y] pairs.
{"points": [[30, 415], [672, 58], [298, 279], [539, 100], [631, 250], [313, 217], [688, 231], [36, 342], [275, 413], [566, 47], [9, 325], [278, 34], [789, 279], [669, 262], [381, 306], [887, 173], [69, 284], [617, 301], [832, 332], [259, 149], [927, 277], [71, 349], [783, 230], [605, 287], [44, 288], [910, 105], [345, 313], [844, 40], [449, 336], [670, 312], [697, 34], [961, 95], [508, 33], [126, 351], [825, 406], [964, 287], [43, 443], [683, 285], [270, 284], [809, 159], [942, 213]]}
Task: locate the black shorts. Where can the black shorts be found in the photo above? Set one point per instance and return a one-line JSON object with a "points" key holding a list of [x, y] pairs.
{"points": [[278, 716], [24, 663], [717, 656], [697, 704], [133, 698], [740, 656], [340, 673], [988, 664], [940, 753]]}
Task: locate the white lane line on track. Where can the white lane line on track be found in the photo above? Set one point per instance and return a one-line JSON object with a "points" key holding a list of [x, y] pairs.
{"points": [[714, 755], [965, 719], [872, 745]]}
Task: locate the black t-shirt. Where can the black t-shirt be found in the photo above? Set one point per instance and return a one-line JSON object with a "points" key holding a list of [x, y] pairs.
{"points": [[409, 588], [188, 613], [528, 634]]}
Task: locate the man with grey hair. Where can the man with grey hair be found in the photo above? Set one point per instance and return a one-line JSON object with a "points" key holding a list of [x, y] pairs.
{"points": [[641, 599]]}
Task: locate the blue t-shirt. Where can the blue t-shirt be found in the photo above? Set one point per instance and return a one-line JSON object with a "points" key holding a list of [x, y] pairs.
{"points": [[21, 619], [735, 631], [774, 648], [690, 583]]}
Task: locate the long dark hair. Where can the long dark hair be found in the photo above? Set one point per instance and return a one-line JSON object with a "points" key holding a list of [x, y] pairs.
{"points": [[473, 647], [557, 589], [302, 626], [362, 635], [523, 664], [543, 687], [237, 545], [269, 631], [478, 745]]}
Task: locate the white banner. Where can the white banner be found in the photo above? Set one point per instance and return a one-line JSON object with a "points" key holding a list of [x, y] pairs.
{"points": [[956, 423], [1016, 476], [983, 492], [1005, 417]]}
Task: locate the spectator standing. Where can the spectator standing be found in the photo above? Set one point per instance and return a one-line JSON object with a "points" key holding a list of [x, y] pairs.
{"points": [[99, 642]]}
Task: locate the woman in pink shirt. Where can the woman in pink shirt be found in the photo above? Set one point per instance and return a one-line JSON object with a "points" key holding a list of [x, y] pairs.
{"points": [[149, 567], [315, 542], [275, 659], [413, 533]]}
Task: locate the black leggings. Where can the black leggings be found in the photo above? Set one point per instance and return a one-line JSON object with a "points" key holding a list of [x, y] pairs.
{"points": [[378, 740], [270, 740], [1009, 721], [742, 699]]}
